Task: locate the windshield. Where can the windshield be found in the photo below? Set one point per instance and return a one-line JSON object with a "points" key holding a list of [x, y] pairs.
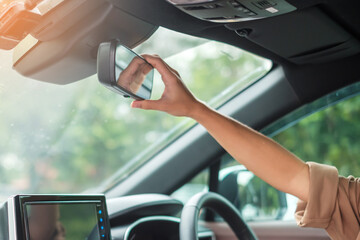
{"points": [[67, 139]]}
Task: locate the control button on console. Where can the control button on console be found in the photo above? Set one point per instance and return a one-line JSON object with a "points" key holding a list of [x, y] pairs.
{"points": [[235, 4], [210, 6]]}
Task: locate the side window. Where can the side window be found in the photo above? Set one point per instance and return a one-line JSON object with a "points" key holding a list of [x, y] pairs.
{"points": [[200, 183], [255, 199], [326, 131], [330, 136]]}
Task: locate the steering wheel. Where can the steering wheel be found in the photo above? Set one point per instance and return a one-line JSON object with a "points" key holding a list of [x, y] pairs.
{"points": [[220, 205]]}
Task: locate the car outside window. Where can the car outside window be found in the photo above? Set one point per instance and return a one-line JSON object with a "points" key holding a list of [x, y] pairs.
{"points": [[68, 139], [331, 135], [326, 131], [255, 199], [199, 183]]}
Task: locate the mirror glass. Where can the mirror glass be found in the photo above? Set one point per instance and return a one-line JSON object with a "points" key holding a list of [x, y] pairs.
{"points": [[133, 74]]}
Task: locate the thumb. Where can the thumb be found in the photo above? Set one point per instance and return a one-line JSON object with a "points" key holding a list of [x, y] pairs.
{"points": [[146, 104]]}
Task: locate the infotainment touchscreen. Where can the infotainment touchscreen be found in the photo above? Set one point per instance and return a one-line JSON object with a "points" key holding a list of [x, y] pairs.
{"points": [[57, 220], [58, 217]]}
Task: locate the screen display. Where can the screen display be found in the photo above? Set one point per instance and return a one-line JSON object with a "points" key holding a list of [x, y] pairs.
{"points": [[64, 221]]}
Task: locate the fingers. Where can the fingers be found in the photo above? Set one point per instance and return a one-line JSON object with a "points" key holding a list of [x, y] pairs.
{"points": [[147, 104], [174, 93], [174, 71], [160, 65], [170, 68]]}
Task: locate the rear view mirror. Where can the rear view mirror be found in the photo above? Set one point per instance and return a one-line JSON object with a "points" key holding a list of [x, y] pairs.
{"points": [[123, 71]]}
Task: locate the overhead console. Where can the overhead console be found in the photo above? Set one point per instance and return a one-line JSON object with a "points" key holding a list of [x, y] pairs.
{"points": [[55, 217], [226, 11]]}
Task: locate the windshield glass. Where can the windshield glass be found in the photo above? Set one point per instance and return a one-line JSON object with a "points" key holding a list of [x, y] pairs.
{"points": [[72, 138]]}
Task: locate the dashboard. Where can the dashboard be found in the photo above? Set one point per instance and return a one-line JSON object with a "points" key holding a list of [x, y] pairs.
{"points": [[148, 217], [92, 217]]}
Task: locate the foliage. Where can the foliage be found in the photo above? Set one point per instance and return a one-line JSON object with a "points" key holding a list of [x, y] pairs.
{"points": [[331, 136], [71, 138]]}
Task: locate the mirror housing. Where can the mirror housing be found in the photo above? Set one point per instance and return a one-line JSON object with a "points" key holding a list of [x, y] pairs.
{"points": [[123, 71]]}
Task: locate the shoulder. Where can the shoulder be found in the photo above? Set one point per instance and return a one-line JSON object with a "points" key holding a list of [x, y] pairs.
{"points": [[333, 202], [323, 189]]}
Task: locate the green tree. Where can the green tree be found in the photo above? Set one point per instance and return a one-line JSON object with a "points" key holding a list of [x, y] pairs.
{"points": [[330, 136]]}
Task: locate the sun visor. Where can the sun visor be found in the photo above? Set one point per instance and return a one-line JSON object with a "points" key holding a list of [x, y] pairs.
{"points": [[63, 47]]}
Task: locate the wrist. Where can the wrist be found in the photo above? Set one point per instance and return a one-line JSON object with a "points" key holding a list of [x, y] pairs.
{"points": [[199, 111]]}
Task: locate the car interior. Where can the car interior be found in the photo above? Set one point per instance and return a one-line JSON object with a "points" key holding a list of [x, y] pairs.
{"points": [[313, 54]]}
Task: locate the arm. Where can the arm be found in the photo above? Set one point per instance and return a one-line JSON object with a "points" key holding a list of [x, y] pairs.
{"points": [[265, 158]]}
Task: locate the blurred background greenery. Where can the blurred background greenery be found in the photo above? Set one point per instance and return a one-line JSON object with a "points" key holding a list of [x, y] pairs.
{"points": [[68, 139], [65, 139], [330, 136]]}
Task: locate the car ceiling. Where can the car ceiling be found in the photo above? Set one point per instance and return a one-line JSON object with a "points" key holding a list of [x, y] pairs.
{"points": [[317, 45]]}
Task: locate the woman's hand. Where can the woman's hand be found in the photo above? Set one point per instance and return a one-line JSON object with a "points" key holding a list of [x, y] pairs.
{"points": [[177, 99]]}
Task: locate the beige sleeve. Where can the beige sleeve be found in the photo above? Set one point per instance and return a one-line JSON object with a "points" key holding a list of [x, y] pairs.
{"points": [[317, 211]]}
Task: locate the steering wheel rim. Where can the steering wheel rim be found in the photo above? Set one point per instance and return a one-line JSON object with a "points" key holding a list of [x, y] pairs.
{"points": [[220, 205]]}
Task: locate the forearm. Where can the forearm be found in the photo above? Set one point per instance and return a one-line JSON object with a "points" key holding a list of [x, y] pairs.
{"points": [[261, 155]]}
